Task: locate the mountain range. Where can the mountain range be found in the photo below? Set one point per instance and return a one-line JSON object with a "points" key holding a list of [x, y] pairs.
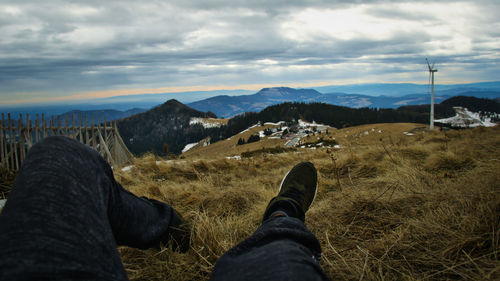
{"points": [[224, 106], [227, 106], [229, 103], [168, 128], [403, 89]]}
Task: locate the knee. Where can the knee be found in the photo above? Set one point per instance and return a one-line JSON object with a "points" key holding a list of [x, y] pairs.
{"points": [[60, 147], [58, 143], [55, 140]]}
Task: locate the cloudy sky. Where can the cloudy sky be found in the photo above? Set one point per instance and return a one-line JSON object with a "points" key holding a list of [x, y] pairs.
{"points": [[60, 50]]}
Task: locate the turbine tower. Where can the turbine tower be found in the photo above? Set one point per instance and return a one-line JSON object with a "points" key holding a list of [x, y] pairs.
{"points": [[431, 74]]}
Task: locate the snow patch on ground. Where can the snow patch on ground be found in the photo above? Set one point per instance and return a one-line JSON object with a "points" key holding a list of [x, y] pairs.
{"points": [[2, 203], [189, 146], [319, 127], [127, 168], [248, 129], [274, 124], [465, 118], [307, 124], [204, 122], [235, 157]]}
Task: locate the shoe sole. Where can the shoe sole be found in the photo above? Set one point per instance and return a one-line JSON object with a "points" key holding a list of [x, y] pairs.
{"points": [[315, 189]]}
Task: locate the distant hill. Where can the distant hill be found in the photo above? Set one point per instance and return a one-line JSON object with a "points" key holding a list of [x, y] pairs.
{"points": [[358, 101], [109, 114], [226, 106], [404, 89], [165, 128]]}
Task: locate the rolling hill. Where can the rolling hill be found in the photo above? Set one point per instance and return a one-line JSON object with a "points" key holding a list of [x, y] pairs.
{"points": [[227, 106], [163, 129], [355, 96]]}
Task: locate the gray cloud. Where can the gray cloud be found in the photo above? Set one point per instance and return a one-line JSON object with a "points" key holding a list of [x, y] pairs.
{"points": [[65, 47]]}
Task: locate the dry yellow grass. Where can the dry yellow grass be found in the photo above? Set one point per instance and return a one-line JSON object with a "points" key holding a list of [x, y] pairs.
{"points": [[389, 206], [222, 121], [229, 147]]}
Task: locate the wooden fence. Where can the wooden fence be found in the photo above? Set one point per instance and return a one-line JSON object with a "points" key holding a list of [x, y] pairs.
{"points": [[18, 136]]}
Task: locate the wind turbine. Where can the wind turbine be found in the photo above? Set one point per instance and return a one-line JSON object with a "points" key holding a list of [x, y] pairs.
{"points": [[431, 74]]}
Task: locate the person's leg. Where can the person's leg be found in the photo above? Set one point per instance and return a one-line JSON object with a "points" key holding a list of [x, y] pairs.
{"points": [[66, 214], [282, 248]]}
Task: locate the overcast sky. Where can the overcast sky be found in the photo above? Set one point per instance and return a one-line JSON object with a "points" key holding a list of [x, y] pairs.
{"points": [[57, 50]]}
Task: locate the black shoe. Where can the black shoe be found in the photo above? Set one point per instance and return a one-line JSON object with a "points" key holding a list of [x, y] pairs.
{"points": [[297, 192]]}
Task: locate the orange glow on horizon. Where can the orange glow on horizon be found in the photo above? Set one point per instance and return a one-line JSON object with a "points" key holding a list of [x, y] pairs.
{"points": [[185, 89]]}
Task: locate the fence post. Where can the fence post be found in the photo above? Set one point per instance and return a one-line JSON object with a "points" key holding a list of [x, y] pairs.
{"points": [[94, 144], [105, 130], [48, 127], [73, 131], [20, 142], [97, 135], [2, 142], [28, 136], [37, 129], [120, 143], [87, 142], [59, 130], [11, 148], [16, 163], [66, 125], [115, 141], [105, 149], [52, 126], [7, 142], [80, 129], [44, 126]]}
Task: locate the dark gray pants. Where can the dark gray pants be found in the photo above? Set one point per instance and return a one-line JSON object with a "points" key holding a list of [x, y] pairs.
{"points": [[66, 215]]}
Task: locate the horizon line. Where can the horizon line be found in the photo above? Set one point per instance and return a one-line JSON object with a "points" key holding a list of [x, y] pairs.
{"points": [[95, 95]]}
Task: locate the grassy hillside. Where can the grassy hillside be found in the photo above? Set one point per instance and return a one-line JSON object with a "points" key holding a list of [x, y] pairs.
{"points": [[229, 147], [390, 206], [357, 134]]}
